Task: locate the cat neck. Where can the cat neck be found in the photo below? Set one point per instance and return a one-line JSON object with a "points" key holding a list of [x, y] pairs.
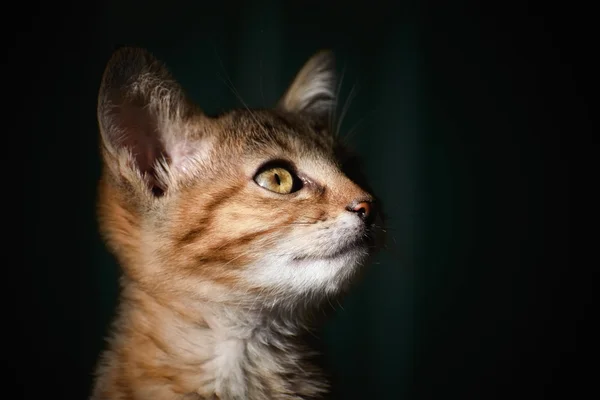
{"points": [[230, 320], [210, 348]]}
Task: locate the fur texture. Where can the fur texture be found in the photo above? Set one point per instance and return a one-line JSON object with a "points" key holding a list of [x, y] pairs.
{"points": [[220, 274]]}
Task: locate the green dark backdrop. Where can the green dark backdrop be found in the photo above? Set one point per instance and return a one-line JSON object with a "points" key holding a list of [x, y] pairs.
{"points": [[453, 108]]}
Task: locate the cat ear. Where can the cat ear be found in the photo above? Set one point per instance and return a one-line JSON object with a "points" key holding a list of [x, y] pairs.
{"points": [[312, 91], [141, 113]]}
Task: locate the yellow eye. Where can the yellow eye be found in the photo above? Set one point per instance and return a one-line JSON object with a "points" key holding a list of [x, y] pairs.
{"points": [[278, 180]]}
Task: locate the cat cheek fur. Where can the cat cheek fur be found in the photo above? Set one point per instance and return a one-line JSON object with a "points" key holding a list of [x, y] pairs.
{"points": [[243, 238]]}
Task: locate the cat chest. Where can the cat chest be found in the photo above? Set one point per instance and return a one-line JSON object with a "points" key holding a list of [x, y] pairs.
{"points": [[228, 368], [242, 370]]}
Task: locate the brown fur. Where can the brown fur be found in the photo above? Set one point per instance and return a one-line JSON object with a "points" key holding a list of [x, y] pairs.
{"points": [[191, 229]]}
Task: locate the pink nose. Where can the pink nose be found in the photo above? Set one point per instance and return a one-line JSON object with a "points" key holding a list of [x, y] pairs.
{"points": [[363, 209]]}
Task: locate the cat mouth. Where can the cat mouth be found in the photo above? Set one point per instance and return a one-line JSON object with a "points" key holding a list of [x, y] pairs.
{"points": [[355, 246]]}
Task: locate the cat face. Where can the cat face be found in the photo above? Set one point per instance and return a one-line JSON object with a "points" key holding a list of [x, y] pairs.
{"points": [[256, 207]]}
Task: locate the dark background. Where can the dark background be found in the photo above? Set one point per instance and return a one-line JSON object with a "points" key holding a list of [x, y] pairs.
{"points": [[463, 113]]}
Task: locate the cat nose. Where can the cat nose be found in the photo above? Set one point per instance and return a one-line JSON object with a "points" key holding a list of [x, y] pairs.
{"points": [[364, 209]]}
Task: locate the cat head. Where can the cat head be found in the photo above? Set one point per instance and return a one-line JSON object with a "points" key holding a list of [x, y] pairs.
{"points": [[254, 207]]}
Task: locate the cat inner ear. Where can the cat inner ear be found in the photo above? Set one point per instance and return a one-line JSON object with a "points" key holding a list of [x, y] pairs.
{"points": [[313, 90], [142, 113]]}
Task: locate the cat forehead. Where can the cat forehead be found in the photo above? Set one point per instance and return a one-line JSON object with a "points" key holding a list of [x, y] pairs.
{"points": [[264, 129]]}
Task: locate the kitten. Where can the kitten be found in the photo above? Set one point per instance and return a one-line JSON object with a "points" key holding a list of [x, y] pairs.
{"points": [[229, 230]]}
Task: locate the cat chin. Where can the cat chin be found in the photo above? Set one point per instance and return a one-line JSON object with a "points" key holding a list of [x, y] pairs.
{"points": [[308, 275]]}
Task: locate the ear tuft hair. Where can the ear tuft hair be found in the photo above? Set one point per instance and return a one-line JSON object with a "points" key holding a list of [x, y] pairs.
{"points": [[312, 91], [142, 110]]}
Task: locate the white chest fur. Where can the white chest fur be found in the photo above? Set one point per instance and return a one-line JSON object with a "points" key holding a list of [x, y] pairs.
{"points": [[228, 368]]}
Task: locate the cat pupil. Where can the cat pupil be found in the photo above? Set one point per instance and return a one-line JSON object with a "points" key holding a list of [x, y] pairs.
{"points": [[277, 179]]}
